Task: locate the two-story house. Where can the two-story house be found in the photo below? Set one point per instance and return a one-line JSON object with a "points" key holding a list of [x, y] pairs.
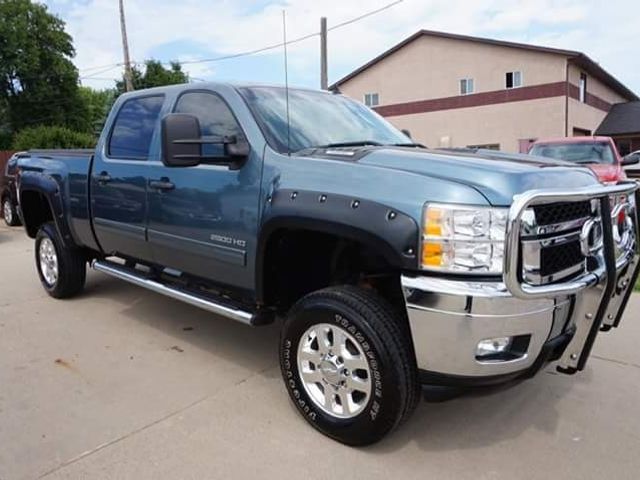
{"points": [[457, 91]]}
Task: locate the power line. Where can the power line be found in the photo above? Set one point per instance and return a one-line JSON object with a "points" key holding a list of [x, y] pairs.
{"points": [[98, 67], [108, 67], [281, 44], [100, 72], [368, 14]]}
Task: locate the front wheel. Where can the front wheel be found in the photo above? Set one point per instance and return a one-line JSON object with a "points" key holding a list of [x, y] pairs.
{"points": [[62, 270], [9, 213], [348, 365]]}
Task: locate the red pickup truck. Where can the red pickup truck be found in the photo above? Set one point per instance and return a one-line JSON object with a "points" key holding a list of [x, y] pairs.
{"points": [[598, 153]]}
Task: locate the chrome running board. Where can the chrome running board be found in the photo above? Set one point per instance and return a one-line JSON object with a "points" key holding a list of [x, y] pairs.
{"points": [[192, 298]]}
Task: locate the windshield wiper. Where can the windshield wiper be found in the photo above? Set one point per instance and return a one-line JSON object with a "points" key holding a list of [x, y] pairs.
{"points": [[409, 144], [356, 143]]}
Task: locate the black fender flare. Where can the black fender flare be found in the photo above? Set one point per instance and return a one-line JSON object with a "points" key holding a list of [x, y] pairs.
{"points": [[395, 235], [50, 189]]}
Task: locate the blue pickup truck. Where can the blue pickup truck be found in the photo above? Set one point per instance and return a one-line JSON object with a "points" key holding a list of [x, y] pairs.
{"points": [[393, 266]]}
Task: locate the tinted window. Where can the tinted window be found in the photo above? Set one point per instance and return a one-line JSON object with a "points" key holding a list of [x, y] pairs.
{"points": [[316, 119], [134, 126], [216, 119], [576, 152]]}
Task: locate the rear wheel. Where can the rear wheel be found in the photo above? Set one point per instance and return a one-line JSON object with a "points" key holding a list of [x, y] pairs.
{"points": [[9, 213], [62, 270], [347, 364]]}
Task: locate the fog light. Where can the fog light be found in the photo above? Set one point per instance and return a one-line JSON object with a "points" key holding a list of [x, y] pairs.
{"points": [[492, 347], [503, 349]]}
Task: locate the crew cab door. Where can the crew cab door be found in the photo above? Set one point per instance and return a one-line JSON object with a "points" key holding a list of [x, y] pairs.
{"points": [[203, 219], [119, 178]]}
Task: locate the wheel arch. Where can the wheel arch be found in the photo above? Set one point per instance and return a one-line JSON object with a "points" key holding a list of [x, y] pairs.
{"points": [[379, 229], [40, 201]]}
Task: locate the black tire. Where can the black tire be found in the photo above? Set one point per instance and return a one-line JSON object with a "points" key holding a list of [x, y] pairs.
{"points": [[71, 265], [379, 330], [14, 219]]}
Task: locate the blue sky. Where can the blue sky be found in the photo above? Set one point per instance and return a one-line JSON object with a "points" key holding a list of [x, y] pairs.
{"points": [[200, 29]]}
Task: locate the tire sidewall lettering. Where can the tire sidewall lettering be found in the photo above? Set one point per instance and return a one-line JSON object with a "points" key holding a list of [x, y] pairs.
{"points": [[304, 404]]}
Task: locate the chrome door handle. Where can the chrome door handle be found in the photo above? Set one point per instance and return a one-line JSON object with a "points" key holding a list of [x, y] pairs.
{"points": [[102, 178], [162, 184]]}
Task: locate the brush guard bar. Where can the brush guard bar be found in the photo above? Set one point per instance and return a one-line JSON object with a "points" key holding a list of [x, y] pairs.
{"points": [[600, 294]]}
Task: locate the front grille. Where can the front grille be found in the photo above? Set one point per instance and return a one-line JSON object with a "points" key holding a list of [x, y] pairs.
{"points": [[551, 250], [561, 212], [560, 258]]}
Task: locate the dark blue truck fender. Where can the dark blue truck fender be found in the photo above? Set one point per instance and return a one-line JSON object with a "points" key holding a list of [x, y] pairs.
{"points": [[394, 235], [41, 201]]}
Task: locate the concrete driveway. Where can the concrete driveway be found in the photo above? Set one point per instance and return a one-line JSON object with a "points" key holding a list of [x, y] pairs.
{"points": [[123, 383]]}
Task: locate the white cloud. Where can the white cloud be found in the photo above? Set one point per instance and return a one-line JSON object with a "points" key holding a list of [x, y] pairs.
{"points": [[225, 27]]}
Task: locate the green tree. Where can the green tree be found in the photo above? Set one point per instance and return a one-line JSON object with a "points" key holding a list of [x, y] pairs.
{"points": [[154, 75], [38, 81], [52, 137], [98, 103]]}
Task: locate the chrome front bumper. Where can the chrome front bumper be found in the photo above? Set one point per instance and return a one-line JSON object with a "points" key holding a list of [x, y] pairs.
{"points": [[448, 318]]}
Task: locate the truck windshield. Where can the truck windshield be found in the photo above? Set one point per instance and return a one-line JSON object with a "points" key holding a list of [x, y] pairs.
{"points": [[583, 152], [317, 119]]}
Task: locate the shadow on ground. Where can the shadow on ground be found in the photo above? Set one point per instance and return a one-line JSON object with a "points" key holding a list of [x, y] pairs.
{"points": [[475, 419]]}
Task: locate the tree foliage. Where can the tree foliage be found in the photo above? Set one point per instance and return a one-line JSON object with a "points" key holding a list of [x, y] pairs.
{"points": [[98, 103], [154, 75], [52, 137], [38, 81]]}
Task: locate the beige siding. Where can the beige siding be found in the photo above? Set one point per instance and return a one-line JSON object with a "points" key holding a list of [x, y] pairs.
{"points": [[503, 124], [431, 67], [595, 86], [585, 116]]}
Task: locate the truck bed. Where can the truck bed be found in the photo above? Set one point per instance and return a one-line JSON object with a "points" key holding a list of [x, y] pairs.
{"points": [[71, 171], [59, 152]]}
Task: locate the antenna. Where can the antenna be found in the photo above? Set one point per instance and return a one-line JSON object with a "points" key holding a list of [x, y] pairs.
{"points": [[286, 80]]}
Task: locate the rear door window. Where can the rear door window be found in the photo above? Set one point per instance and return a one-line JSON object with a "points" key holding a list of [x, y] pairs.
{"points": [[134, 126]]}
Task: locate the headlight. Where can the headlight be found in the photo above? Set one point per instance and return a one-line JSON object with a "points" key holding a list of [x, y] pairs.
{"points": [[463, 239]]}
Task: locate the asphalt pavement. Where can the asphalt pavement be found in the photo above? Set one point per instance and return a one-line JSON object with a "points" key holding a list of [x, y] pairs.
{"points": [[122, 383]]}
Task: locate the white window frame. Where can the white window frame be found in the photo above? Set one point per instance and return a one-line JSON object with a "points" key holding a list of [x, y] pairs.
{"points": [[582, 87], [370, 96], [466, 84], [513, 73]]}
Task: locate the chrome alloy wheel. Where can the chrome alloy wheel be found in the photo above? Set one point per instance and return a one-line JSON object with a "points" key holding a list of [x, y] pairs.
{"points": [[334, 370], [48, 261], [7, 211]]}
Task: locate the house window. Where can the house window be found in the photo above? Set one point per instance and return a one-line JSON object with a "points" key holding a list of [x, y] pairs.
{"points": [[371, 99], [513, 79], [466, 86], [583, 87]]}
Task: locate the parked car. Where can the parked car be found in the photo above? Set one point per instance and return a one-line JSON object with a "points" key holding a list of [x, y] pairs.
{"points": [[631, 162], [395, 266], [8, 195], [598, 153]]}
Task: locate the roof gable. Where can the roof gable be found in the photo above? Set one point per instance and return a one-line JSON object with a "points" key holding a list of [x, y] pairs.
{"points": [[624, 118], [578, 58]]}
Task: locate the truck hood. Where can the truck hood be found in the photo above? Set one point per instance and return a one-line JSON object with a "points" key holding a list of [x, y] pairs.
{"points": [[497, 176], [607, 172]]}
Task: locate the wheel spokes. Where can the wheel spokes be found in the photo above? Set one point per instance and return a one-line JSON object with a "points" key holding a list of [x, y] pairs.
{"points": [[358, 384]]}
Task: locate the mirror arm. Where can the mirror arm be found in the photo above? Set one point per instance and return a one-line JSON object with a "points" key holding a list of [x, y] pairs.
{"points": [[208, 141]]}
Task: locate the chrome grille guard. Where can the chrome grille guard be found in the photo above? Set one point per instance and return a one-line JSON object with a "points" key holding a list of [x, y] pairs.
{"points": [[513, 252], [601, 306]]}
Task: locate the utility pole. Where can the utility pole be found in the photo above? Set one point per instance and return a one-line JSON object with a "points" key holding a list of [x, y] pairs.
{"points": [[128, 82], [324, 81]]}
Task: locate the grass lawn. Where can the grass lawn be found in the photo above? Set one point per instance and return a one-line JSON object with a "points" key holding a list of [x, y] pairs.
{"points": [[637, 289]]}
